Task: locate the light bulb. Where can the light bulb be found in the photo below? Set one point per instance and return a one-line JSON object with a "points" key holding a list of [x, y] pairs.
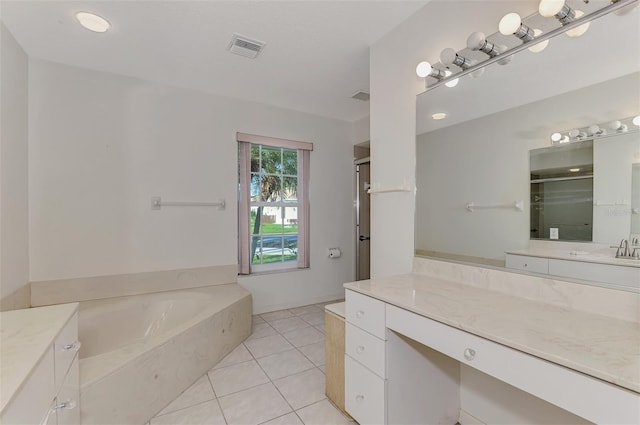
{"points": [[448, 56], [549, 8], [503, 60], [538, 47], [476, 40], [509, 24], [451, 83], [93, 22], [575, 133], [595, 130], [636, 120], [556, 137], [423, 69], [618, 126], [578, 31]]}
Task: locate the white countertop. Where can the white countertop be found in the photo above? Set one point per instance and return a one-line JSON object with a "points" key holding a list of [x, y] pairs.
{"points": [[579, 255], [593, 344], [25, 336]]}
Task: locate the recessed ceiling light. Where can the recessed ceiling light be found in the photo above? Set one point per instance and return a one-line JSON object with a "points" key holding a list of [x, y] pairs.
{"points": [[574, 170], [93, 22], [439, 116]]}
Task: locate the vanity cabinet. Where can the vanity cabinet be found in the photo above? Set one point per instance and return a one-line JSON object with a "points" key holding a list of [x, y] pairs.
{"points": [[576, 269], [365, 368], [42, 369]]}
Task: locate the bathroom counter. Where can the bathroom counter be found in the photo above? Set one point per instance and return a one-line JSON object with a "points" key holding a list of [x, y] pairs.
{"points": [[600, 346], [600, 257], [25, 337]]}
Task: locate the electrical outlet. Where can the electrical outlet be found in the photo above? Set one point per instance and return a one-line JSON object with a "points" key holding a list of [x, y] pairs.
{"points": [[553, 233]]}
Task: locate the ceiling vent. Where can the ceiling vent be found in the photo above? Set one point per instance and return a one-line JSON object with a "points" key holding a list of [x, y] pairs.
{"points": [[244, 46], [361, 95]]}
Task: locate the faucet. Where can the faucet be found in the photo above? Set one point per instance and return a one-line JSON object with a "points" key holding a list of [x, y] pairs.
{"points": [[623, 249]]}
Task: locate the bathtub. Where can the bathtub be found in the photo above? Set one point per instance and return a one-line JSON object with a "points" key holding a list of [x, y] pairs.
{"points": [[140, 352]]}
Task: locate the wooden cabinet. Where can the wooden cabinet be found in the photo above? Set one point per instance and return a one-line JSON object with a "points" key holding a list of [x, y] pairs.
{"points": [[334, 357]]}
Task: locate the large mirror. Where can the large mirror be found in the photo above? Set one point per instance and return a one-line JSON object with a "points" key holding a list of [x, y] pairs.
{"points": [[473, 174]]}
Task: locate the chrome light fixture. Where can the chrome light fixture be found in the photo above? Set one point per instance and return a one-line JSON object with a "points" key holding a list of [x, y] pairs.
{"points": [[511, 24], [563, 13], [449, 57], [477, 41], [597, 131], [424, 69]]}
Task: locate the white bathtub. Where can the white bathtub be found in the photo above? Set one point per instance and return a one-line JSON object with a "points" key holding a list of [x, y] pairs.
{"points": [[140, 352]]}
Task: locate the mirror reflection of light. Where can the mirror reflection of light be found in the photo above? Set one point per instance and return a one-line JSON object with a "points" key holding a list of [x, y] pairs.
{"points": [[439, 116], [451, 83]]}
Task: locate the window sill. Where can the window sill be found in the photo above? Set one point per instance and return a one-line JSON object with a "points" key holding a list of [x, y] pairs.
{"points": [[274, 271]]}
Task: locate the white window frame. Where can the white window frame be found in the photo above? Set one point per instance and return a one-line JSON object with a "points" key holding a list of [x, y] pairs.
{"points": [[244, 203]]}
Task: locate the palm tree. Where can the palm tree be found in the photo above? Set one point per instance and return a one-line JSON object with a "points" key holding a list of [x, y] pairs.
{"points": [[267, 168]]}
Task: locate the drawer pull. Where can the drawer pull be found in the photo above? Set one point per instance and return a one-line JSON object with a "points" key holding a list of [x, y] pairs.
{"points": [[75, 346], [469, 353], [360, 349], [359, 314], [525, 264], [359, 398], [69, 404]]}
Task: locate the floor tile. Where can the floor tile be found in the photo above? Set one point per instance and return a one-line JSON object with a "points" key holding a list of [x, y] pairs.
{"points": [[306, 309], [207, 413], [238, 377], [254, 406], [322, 368], [322, 305], [304, 336], [284, 364], [314, 352], [256, 319], [314, 319], [289, 324], [260, 330], [276, 315], [240, 354], [323, 413], [289, 419], [320, 327], [302, 389], [268, 345], [199, 392]]}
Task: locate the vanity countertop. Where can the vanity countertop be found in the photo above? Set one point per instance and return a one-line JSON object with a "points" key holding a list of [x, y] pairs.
{"points": [[597, 345], [579, 255], [25, 336]]}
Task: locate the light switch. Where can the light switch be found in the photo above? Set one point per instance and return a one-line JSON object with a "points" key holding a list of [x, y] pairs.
{"points": [[553, 233]]}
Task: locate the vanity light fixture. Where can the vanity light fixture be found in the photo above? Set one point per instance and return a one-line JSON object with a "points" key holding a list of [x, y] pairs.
{"points": [[511, 24], [93, 22], [636, 120], [439, 116], [577, 134], [453, 82], [449, 57], [563, 13], [556, 137], [618, 127], [477, 41], [595, 130], [424, 69]]}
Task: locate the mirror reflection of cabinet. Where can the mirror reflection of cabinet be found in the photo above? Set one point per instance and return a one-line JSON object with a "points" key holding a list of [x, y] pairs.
{"points": [[562, 192]]}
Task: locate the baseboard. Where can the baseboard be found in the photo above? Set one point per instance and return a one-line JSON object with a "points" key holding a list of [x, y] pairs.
{"points": [[467, 419], [338, 296]]}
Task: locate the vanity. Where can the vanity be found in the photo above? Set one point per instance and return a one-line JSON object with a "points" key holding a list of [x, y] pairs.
{"points": [[39, 369], [409, 336]]}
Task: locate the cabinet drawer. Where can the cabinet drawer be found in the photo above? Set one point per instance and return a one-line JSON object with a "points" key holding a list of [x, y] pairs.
{"points": [[364, 394], [66, 347], [583, 395], [31, 404], [366, 313], [68, 400], [366, 348], [621, 275], [529, 264]]}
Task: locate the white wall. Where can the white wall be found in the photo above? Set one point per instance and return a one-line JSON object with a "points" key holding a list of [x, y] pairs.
{"points": [[14, 230], [102, 145], [487, 161]]}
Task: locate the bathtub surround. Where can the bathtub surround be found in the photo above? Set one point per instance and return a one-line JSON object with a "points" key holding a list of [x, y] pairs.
{"points": [[101, 145], [14, 225], [139, 377], [99, 287]]}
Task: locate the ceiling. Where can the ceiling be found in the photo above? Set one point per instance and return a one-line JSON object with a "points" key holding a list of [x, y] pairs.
{"points": [[316, 54]]}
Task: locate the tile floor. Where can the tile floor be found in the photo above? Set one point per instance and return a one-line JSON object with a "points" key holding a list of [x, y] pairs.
{"points": [[276, 377]]}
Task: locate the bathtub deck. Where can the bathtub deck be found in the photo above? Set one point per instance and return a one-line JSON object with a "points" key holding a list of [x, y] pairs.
{"points": [[275, 377]]}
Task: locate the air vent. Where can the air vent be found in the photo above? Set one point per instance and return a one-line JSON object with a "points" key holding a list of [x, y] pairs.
{"points": [[244, 46], [361, 95]]}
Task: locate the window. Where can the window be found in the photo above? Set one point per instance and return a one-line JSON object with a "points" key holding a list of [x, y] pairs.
{"points": [[273, 199]]}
